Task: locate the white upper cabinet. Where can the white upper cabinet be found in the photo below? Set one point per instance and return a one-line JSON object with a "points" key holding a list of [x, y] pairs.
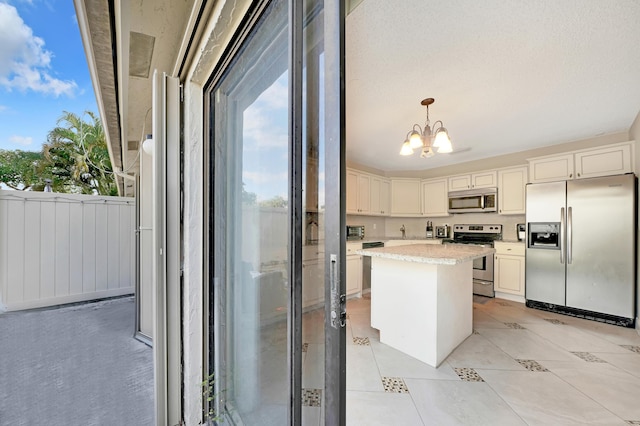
{"points": [[405, 197], [606, 161], [614, 160], [486, 179], [459, 183], [511, 190], [380, 196], [550, 169], [358, 192], [434, 198]]}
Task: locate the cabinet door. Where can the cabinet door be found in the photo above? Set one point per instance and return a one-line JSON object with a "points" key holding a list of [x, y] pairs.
{"points": [[511, 190], [509, 274], [374, 199], [385, 197], [364, 193], [459, 183], [379, 196], [313, 279], [405, 197], [606, 161], [550, 169], [354, 274], [352, 191], [434, 198], [484, 180]]}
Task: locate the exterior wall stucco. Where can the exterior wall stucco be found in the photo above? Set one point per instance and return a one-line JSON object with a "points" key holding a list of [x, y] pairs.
{"points": [[224, 19]]}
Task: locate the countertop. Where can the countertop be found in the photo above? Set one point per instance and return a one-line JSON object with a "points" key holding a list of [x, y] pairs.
{"points": [[387, 238], [430, 253], [513, 241]]}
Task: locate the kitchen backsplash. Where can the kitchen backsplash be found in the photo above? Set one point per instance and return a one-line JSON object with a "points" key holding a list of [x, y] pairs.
{"points": [[415, 227]]}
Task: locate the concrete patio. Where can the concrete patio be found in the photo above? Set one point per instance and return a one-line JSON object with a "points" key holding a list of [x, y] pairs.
{"points": [[75, 365]]}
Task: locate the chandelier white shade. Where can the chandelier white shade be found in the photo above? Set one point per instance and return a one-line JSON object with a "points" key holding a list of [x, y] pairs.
{"points": [[426, 139]]}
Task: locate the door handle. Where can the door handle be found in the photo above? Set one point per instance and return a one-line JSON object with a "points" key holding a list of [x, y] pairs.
{"points": [[569, 235], [562, 231], [482, 202], [338, 301]]}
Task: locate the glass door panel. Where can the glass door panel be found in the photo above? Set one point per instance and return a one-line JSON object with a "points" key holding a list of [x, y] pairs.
{"points": [[270, 274], [250, 225], [313, 261]]}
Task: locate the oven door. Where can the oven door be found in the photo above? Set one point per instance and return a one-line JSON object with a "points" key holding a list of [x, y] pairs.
{"points": [[483, 267], [482, 273]]}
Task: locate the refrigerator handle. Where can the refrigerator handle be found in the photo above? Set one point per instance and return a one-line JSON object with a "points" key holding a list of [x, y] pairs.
{"points": [[562, 240], [569, 234]]}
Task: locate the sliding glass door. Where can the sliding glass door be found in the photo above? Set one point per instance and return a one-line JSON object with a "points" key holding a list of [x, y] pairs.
{"points": [[276, 234]]}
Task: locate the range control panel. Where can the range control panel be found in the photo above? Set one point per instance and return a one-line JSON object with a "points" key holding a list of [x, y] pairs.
{"points": [[480, 229]]}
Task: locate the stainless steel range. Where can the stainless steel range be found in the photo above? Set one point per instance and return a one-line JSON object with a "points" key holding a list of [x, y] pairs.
{"points": [[484, 236]]}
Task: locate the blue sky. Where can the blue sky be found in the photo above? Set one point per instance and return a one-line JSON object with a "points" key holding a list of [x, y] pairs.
{"points": [[43, 70]]}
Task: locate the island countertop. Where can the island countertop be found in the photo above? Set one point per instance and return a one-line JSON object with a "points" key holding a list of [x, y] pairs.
{"points": [[445, 254]]}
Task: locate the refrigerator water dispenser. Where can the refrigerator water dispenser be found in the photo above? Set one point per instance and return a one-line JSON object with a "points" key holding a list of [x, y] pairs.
{"points": [[544, 235]]}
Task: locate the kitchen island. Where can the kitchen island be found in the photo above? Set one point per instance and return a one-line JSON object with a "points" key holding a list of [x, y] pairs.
{"points": [[421, 297]]}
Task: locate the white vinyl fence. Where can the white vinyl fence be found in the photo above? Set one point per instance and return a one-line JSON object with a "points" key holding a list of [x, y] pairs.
{"points": [[63, 248]]}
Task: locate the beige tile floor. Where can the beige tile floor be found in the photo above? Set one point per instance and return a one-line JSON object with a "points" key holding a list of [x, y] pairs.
{"points": [[520, 367]]}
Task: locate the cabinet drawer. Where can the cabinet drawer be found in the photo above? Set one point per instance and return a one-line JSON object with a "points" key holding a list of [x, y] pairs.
{"points": [[352, 247], [513, 249]]}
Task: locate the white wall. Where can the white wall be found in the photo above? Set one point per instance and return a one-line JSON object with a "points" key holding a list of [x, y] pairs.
{"points": [[64, 248]]}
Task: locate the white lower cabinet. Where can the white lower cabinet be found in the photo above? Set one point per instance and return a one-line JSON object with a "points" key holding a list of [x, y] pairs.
{"points": [[509, 270], [354, 269], [312, 282], [354, 274]]}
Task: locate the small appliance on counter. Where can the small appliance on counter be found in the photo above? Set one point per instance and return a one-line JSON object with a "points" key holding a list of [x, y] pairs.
{"points": [[429, 229], [442, 231], [521, 230], [355, 232]]}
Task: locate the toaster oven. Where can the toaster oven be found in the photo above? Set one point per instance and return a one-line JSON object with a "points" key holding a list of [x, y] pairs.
{"points": [[355, 232]]}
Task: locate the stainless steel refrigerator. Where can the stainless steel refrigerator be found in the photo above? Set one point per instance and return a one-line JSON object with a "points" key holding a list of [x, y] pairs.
{"points": [[581, 250]]}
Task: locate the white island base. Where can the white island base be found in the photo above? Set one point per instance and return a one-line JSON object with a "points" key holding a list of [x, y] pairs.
{"points": [[424, 310]]}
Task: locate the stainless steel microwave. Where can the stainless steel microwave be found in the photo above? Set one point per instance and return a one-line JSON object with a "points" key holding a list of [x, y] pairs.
{"points": [[482, 200]]}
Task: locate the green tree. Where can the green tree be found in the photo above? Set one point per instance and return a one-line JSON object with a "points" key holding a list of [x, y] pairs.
{"points": [[76, 157], [18, 169]]}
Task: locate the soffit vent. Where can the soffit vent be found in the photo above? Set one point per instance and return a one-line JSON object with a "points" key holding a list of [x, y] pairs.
{"points": [[140, 53]]}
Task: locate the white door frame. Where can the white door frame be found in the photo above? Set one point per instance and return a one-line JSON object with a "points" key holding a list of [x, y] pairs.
{"points": [[167, 351]]}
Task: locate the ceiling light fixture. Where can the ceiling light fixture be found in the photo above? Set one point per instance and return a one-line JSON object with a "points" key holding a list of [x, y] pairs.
{"points": [[427, 139]]}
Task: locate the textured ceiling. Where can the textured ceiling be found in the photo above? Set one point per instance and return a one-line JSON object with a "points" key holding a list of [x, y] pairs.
{"points": [[506, 75]]}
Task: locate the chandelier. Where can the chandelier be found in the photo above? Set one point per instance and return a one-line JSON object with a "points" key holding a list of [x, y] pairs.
{"points": [[427, 139]]}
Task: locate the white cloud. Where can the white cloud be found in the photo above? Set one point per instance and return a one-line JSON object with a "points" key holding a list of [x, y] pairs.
{"points": [[276, 95], [21, 140], [3, 108], [265, 121], [24, 62], [264, 131]]}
